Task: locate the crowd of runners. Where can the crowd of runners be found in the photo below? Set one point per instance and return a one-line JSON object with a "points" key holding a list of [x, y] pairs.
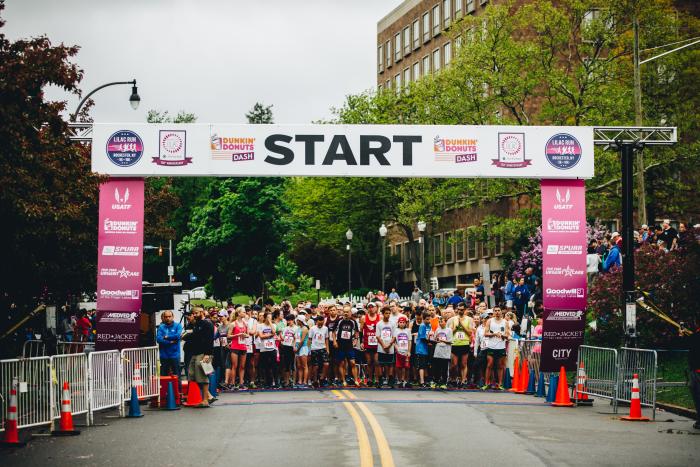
{"points": [[383, 345]]}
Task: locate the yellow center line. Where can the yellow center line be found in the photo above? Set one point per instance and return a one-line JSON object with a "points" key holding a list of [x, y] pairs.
{"points": [[362, 437], [382, 444]]}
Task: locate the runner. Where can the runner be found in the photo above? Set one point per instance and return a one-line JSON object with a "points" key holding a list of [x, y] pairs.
{"points": [[331, 323], [268, 350], [385, 349], [423, 352], [415, 326], [288, 335], [462, 327], [252, 360], [301, 349], [318, 335], [369, 342], [496, 332], [347, 333], [402, 337], [441, 357], [238, 336]]}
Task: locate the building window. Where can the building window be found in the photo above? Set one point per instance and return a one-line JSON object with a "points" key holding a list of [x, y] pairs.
{"points": [[397, 81], [471, 6], [484, 2], [406, 41], [446, 13], [399, 257], [437, 249], [471, 246], [486, 244], [436, 20], [387, 85], [416, 71], [408, 252], [448, 53], [459, 245], [436, 60], [458, 9], [416, 34], [397, 47], [387, 53], [458, 43], [426, 65], [498, 245], [406, 76], [380, 58], [388, 251], [426, 27], [449, 247], [379, 87]]}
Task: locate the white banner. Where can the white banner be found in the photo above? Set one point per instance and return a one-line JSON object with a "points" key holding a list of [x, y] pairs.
{"points": [[445, 151]]}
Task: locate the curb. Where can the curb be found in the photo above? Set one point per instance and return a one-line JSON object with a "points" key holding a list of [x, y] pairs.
{"points": [[678, 410]]}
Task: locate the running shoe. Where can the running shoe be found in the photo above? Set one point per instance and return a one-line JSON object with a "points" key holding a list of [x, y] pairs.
{"points": [[443, 386], [243, 387], [484, 387], [501, 388], [253, 386]]}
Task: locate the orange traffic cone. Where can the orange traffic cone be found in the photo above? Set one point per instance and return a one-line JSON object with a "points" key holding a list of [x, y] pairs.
{"points": [[516, 376], [635, 403], [580, 396], [136, 381], [562, 399], [65, 427], [11, 431], [524, 377], [194, 395]]}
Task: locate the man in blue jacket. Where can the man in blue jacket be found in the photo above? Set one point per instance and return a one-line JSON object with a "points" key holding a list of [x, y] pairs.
{"points": [[168, 336], [614, 257]]}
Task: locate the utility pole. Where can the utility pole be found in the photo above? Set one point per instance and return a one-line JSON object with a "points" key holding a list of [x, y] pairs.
{"points": [[638, 121]]}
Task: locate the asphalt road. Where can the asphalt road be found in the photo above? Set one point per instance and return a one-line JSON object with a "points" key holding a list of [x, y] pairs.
{"points": [[370, 428]]}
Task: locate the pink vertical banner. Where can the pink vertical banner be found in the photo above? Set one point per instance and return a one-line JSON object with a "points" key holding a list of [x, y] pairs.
{"points": [[120, 245], [564, 244]]}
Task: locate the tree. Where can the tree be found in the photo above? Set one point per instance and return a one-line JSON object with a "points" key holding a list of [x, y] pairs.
{"points": [[260, 114], [49, 194]]}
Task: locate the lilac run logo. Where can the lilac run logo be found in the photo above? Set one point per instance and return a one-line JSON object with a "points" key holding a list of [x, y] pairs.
{"points": [[124, 148], [172, 148], [563, 151]]}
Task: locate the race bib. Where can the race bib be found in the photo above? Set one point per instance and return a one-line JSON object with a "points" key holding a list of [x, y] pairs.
{"points": [[372, 339], [460, 335], [345, 335], [318, 337], [402, 344], [288, 339], [242, 340], [386, 334], [269, 344]]}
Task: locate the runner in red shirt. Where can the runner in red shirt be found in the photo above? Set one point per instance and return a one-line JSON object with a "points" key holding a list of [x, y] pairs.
{"points": [[369, 342]]}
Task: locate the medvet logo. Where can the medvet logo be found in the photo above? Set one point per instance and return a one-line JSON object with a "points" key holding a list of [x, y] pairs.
{"points": [[562, 203], [116, 317], [111, 250], [566, 272], [564, 249], [122, 273], [121, 201], [565, 316], [557, 226], [120, 294], [120, 227], [566, 293]]}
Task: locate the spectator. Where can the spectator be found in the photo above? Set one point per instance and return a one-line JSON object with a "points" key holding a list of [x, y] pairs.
{"points": [[593, 262], [82, 327], [415, 296], [645, 233], [685, 237], [669, 236], [613, 258], [201, 339], [393, 295], [522, 296], [509, 292], [478, 290], [530, 279], [456, 299], [168, 336]]}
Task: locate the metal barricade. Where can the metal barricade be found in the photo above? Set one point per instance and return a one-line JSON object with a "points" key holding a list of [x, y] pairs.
{"points": [[34, 394], [63, 348], [33, 348], [601, 367], [641, 362], [105, 381], [531, 350], [71, 369], [147, 361]]}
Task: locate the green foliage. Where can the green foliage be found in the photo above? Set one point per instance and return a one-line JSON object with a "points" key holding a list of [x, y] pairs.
{"points": [[260, 113]]}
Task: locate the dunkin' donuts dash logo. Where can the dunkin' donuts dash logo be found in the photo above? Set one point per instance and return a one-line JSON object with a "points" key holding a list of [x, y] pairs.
{"points": [[120, 227], [560, 226], [234, 149], [457, 150]]}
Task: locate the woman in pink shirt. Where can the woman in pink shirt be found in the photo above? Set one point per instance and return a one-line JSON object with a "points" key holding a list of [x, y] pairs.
{"points": [[238, 336]]}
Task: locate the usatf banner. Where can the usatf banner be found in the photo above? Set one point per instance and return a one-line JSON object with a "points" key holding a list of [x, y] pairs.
{"points": [[120, 246], [447, 151], [564, 242]]}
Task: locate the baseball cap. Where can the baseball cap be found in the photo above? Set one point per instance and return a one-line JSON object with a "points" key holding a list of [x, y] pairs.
{"points": [[371, 304], [403, 319], [301, 319], [223, 313], [615, 234]]}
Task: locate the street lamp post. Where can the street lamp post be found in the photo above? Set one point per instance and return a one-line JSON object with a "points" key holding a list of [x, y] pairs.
{"points": [[134, 99], [382, 233], [348, 235], [171, 269], [421, 240]]}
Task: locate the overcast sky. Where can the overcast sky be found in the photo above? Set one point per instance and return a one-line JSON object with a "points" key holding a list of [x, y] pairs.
{"points": [[214, 58]]}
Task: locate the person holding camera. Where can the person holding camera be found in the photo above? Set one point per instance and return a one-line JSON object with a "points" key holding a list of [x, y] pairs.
{"points": [[201, 346]]}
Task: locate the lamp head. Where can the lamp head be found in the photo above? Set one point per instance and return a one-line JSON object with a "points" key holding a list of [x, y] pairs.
{"points": [[134, 99]]}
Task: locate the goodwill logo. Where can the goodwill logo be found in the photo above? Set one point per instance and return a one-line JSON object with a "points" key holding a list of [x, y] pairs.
{"points": [[120, 202], [234, 149], [122, 273], [120, 294], [562, 315], [112, 250], [566, 272], [172, 148], [124, 148], [117, 317], [120, 227], [511, 151], [557, 226], [563, 151], [455, 150], [564, 249], [566, 293], [562, 203]]}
